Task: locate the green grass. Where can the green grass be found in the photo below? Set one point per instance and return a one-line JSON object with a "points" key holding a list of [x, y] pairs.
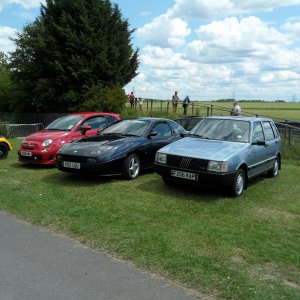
{"points": [[230, 248], [276, 110]]}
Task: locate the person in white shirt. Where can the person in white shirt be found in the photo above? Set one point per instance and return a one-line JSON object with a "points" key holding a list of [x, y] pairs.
{"points": [[236, 110]]}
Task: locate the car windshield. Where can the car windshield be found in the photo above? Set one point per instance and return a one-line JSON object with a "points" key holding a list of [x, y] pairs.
{"points": [[222, 129], [65, 123], [133, 127]]}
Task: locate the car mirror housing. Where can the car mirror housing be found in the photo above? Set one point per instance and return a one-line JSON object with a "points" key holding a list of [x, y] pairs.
{"points": [[85, 128], [259, 143], [152, 133]]}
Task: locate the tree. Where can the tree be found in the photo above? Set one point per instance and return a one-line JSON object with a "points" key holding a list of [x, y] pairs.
{"points": [[72, 47], [7, 87]]}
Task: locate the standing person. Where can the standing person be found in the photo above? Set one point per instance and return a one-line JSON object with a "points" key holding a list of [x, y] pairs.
{"points": [[185, 104], [131, 99], [236, 110], [175, 100]]}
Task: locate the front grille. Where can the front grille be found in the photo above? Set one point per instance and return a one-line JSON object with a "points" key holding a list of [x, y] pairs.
{"points": [[36, 158], [187, 163], [74, 158]]}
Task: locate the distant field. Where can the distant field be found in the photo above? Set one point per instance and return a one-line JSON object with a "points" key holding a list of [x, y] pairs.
{"points": [[276, 110]]}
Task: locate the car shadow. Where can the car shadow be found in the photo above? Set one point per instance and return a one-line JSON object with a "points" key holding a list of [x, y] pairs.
{"points": [[75, 180], [18, 165], [180, 191]]}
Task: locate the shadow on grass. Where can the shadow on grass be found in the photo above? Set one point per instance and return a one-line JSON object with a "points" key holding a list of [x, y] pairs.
{"points": [[19, 165], [182, 191]]}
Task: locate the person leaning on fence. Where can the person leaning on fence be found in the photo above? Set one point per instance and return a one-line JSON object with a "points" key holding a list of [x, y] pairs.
{"points": [[185, 104], [175, 100], [131, 99], [236, 110]]}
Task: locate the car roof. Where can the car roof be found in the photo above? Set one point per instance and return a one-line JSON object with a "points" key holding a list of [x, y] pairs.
{"points": [[241, 118], [87, 113], [148, 118]]}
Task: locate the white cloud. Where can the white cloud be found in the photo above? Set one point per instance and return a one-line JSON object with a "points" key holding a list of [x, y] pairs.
{"points": [[206, 9], [27, 4], [233, 40], [6, 33], [165, 32]]}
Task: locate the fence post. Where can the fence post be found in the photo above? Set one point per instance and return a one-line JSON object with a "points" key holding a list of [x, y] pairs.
{"points": [[193, 109], [151, 106], [168, 107], [207, 111], [161, 108]]}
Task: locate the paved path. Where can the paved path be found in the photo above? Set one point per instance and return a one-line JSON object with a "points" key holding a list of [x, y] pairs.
{"points": [[36, 264]]}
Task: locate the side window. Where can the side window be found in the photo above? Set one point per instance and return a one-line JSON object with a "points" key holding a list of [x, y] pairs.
{"points": [[110, 119], [275, 130], [96, 122], [162, 129], [269, 134], [258, 134]]}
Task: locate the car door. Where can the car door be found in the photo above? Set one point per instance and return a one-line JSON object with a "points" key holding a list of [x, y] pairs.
{"points": [[160, 134], [272, 143], [257, 153]]}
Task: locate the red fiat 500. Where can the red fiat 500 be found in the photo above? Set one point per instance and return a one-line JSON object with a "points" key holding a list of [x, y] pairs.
{"points": [[41, 147]]}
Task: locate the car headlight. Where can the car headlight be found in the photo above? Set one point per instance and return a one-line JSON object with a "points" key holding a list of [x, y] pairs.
{"points": [[161, 158], [217, 166], [103, 149], [47, 142]]}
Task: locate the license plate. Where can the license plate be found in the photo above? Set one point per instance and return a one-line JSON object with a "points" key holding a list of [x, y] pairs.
{"points": [[185, 175], [26, 153], [71, 165]]}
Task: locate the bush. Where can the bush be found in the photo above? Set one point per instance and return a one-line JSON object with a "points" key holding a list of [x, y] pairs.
{"points": [[3, 130], [108, 99]]}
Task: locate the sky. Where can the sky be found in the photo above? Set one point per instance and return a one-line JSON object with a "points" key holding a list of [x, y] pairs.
{"points": [[206, 49]]}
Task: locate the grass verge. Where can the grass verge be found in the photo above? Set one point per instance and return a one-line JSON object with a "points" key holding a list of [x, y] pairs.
{"points": [[244, 248]]}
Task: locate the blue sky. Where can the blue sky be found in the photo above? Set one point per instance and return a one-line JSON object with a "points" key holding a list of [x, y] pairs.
{"points": [[207, 49]]}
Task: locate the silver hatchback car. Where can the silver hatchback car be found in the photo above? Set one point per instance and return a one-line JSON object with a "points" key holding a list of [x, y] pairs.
{"points": [[223, 151]]}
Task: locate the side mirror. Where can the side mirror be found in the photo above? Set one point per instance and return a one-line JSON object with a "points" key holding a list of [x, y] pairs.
{"points": [[184, 134], [259, 143], [85, 128], [152, 133]]}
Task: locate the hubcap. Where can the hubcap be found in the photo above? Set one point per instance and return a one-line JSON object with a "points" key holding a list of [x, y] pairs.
{"points": [[276, 167], [134, 167], [239, 185]]}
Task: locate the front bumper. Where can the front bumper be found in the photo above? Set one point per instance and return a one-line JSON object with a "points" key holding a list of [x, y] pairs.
{"points": [[201, 178], [113, 167]]}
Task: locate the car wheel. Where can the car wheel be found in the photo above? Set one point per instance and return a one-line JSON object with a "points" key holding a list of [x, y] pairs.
{"points": [[275, 170], [131, 167], [3, 151], [238, 184]]}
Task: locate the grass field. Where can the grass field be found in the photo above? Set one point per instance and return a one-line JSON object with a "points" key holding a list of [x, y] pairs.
{"points": [[228, 248], [276, 110]]}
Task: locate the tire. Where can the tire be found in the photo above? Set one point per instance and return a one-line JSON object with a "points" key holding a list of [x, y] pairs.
{"points": [[275, 169], [131, 167], [238, 184], [3, 151]]}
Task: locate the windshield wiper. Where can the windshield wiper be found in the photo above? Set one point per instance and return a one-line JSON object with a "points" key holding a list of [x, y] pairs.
{"points": [[129, 134], [199, 136]]}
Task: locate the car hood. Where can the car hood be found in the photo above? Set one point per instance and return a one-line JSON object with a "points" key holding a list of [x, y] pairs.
{"points": [[100, 145], [42, 135], [204, 149]]}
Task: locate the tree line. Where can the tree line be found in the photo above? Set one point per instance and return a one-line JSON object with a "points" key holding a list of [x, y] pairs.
{"points": [[77, 55]]}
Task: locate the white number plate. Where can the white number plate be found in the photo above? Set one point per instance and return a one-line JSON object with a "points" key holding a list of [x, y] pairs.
{"points": [[185, 175], [26, 153], [71, 165]]}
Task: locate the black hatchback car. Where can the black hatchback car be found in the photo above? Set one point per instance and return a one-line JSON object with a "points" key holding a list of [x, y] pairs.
{"points": [[125, 147]]}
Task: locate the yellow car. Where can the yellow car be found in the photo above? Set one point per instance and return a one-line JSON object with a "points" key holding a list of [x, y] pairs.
{"points": [[5, 147]]}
